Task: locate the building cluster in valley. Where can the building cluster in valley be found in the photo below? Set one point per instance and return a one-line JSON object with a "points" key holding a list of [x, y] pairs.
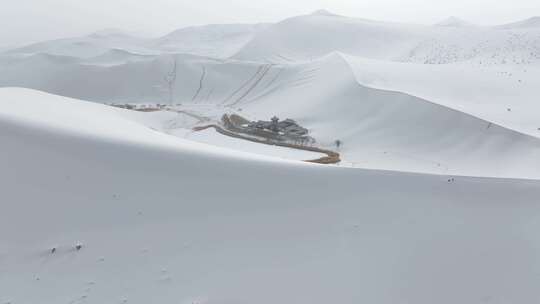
{"points": [[286, 130], [284, 127]]}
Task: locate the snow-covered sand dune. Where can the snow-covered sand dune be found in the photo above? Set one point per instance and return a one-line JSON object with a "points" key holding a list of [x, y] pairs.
{"points": [[161, 219], [505, 95], [87, 46], [119, 76], [299, 38], [530, 23], [217, 40], [396, 131], [220, 40]]}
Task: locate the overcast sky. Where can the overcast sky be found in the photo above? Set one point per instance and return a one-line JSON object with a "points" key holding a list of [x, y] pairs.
{"points": [[26, 21]]}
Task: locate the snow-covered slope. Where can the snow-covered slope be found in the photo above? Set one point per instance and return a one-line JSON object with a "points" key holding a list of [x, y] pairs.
{"points": [[530, 23], [211, 40], [393, 130], [164, 220], [312, 36], [87, 46], [219, 40], [506, 95], [116, 76]]}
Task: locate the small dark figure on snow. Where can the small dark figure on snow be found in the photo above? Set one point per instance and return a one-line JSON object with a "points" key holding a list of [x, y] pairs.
{"points": [[338, 143], [78, 247], [53, 250]]}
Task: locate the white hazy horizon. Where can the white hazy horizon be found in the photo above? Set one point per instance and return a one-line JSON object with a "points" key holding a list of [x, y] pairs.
{"points": [[32, 21]]}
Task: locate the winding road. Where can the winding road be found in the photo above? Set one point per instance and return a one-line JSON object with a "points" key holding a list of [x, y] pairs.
{"points": [[330, 158]]}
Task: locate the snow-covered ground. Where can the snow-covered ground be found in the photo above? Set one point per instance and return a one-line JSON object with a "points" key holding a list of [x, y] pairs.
{"points": [[162, 219], [211, 137], [435, 201]]}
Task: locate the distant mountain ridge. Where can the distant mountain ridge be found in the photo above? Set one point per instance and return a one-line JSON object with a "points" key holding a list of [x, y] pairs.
{"points": [[299, 38], [530, 23], [454, 22], [219, 40]]}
